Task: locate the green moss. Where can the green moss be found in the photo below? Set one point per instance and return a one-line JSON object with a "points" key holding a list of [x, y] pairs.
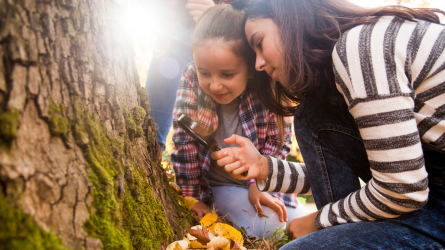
{"points": [[138, 114], [143, 94], [133, 219], [58, 123], [9, 122], [20, 231], [139, 132]]}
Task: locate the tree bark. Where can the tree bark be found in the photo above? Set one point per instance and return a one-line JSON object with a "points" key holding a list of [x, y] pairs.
{"points": [[79, 161]]}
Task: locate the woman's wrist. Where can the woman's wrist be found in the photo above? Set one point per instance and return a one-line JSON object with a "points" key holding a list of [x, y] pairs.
{"points": [[264, 168]]}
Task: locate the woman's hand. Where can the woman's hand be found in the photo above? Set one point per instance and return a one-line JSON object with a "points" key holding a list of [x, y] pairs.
{"points": [[301, 226], [201, 209], [197, 7], [258, 198], [237, 160]]}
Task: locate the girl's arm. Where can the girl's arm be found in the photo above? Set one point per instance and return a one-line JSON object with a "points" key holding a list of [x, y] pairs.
{"points": [[185, 151]]}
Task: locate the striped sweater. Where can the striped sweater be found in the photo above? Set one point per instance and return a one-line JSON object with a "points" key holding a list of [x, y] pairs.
{"points": [[392, 76]]}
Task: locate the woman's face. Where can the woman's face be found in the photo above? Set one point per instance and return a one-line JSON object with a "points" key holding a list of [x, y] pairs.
{"points": [[263, 37]]}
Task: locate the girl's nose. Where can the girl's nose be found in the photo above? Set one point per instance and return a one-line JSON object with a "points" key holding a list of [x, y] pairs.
{"points": [[215, 86], [259, 63]]}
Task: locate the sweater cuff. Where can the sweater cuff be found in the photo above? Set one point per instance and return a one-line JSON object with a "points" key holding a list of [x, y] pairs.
{"points": [[264, 185], [318, 223]]}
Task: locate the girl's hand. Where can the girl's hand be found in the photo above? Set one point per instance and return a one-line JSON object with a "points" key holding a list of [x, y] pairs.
{"points": [[201, 209], [197, 7], [301, 226], [237, 160], [258, 198]]}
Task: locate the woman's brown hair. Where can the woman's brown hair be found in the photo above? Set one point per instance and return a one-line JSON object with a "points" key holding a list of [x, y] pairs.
{"points": [[309, 30]]}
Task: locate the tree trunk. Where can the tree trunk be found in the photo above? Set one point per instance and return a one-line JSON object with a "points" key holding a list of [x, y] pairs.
{"points": [[79, 164]]}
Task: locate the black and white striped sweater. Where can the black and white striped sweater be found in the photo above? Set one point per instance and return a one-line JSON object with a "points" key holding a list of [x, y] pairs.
{"points": [[392, 76]]}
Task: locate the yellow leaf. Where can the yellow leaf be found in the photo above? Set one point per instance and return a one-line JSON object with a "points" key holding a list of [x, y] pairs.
{"points": [[190, 202], [196, 244], [178, 245], [227, 231], [209, 219]]}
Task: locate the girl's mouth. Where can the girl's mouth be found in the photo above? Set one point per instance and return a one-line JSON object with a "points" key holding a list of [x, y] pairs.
{"points": [[220, 96]]}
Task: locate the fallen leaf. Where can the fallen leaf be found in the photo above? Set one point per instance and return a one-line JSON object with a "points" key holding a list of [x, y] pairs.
{"points": [[227, 231], [209, 219], [197, 245], [219, 242], [175, 187], [236, 246], [201, 234], [178, 245]]}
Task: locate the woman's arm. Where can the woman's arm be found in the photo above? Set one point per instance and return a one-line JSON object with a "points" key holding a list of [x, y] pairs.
{"points": [[384, 113], [272, 174]]}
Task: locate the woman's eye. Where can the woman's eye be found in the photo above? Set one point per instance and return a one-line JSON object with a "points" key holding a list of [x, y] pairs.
{"points": [[227, 75], [259, 43], [204, 73]]}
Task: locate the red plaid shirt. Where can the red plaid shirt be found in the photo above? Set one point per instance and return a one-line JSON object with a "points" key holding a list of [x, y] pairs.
{"points": [[191, 161]]}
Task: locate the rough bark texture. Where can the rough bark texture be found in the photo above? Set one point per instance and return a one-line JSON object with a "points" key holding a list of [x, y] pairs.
{"points": [[79, 162]]}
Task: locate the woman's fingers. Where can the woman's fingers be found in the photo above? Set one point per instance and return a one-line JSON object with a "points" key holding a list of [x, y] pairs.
{"points": [[233, 166], [236, 139], [217, 155], [228, 160]]}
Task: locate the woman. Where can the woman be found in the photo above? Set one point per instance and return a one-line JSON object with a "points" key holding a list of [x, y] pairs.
{"points": [[372, 94]]}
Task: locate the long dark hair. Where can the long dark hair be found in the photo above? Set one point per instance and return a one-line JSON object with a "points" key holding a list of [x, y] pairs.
{"points": [[309, 30]]}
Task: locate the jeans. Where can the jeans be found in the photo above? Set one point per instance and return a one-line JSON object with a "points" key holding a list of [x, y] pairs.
{"points": [[230, 201], [335, 157], [171, 55]]}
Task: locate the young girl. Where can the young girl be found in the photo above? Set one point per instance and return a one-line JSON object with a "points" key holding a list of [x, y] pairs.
{"points": [[372, 93], [220, 82]]}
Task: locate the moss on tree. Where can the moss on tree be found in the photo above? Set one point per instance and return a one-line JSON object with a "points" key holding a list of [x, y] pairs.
{"points": [[20, 231], [9, 122]]}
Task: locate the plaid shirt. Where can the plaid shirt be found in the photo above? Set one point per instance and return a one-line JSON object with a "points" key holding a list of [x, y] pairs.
{"points": [[191, 161]]}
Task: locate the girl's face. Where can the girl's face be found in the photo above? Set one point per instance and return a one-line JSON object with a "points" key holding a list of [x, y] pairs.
{"points": [[221, 74], [263, 37]]}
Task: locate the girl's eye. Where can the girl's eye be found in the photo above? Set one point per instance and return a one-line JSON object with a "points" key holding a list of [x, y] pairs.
{"points": [[227, 75], [204, 73]]}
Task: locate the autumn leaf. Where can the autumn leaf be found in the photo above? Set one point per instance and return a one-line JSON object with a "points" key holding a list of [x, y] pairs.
{"points": [[175, 187], [236, 246], [178, 245], [202, 234], [197, 245], [219, 242], [227, 231], [209, 219]]}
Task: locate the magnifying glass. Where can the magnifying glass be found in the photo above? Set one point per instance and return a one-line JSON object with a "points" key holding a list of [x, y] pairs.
{"points": [[202, 136]]}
